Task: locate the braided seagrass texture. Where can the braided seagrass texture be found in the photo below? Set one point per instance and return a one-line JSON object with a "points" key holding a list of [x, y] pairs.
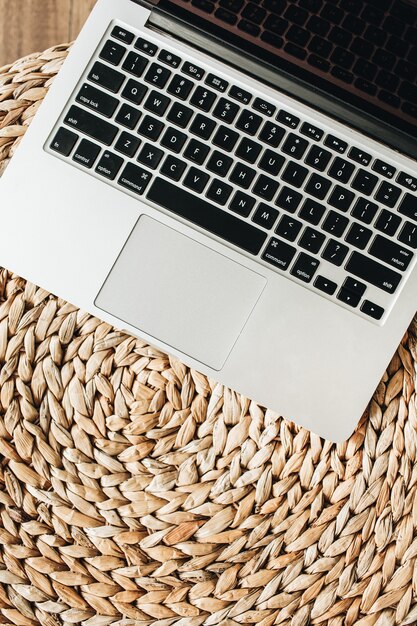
{"points": [[134, 490]]}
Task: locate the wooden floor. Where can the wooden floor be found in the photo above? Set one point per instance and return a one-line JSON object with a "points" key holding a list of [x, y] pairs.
{"points": [[33, 25]]}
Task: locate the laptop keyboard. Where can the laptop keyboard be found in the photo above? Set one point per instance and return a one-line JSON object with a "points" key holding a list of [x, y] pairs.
{"points": [[327, 214], [369, 44]]}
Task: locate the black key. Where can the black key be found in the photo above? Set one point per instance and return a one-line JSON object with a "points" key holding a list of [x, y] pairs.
{"points": [[383, 168], [242, 175], [318, 26], [169, 58], [151, 128], [225, 138], [219, 191], [202, 126], [288, 199], [146, 46], [91, 125], [122, 34], [271, 162], [371, 309], [335, 144], [196, 179], [106, 76], [150, 156], [390, 99], [353, 24], [134, 91], [360, 156], [253, 13], [196, 151], [203, 98], [335, 223], [318, 158], [388, 194], [240, 94], [128, 116], [179, 114], [271, 134], [335, 252], [86, 153], [226, 110], [372, 272], [408, 235], [112, 52], [342, 74], [109, 165], [242, 204], [265, 187], [410, 109], [135, 178], [288, 119], [406, 70], [192, 70], [264, 107], [318, 62], [265, 215], [332, 13], [295, 174], [340, 37], [180, 87], [157, 103], [219, 163], [375, 35], [390, 252], [157, 75], [288, 228], [318, 186], [249, 122], [279, 253], [97, 100], [311, 131], [226, 16], [207, 216], [354, 286], [296, 51], [325, 285], [232, 5], [394, 26], [216, 82], [408, 181], [387, 80], [358, 236], [348, 297], [342, 58], [173, 168], [174, 140], [249, 28], [341, 198], [312, 211], [320, 46], [248, 150], [305, 267], [364, 49], [364, 210], [341, 170], [388, 222], [204, 5], [127, 144], [135, 64], [64, 141], [311, 240], [295, 146], [364, 182]]}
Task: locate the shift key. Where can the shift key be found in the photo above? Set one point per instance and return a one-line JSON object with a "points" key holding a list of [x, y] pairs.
{"points": [[91, 125], [372, 272]]}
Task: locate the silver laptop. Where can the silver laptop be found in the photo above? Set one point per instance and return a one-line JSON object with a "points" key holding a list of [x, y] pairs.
{"points": [[234, 182]]}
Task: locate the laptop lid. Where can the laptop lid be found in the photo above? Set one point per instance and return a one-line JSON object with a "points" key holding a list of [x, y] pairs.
{"points": [[353, 59]]}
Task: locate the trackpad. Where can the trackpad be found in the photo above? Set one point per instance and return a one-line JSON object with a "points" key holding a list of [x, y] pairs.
{"points": [[180, 292]]}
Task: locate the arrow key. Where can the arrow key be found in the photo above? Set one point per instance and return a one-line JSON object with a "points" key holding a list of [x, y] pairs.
{"points": [[348, 297], [326, 285], [371, 309]]}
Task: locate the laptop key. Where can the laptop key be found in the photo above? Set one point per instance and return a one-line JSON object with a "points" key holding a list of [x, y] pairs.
{"points": [[128, 116], [341, 170], [219, 191], [173, 168], [288, 228], [373, 272], [358, 236], [122, 34], [408, 206], [242, 175], [318, 158], [288, 199], [157, 75], [226, 110], [225, 138], [271, 162], [346, 296], [157, 103], [196, 179], [134, 91], [135, 64], [265, 215], [127, 144], [335, 224], [207, 216], [312, 211], [174, 140], [371, 309], [355, 286], [408, 181], [135, 178], [192, 70], [383, 168], [249, 122], [295, 174], [265, 187], [288, 119], [305, 267], [179, 114], [150, 156], [388, 194], [318, 186], [336, 144], [341, 198], [90, 125], [146, 46], [279, 253], [335, 252], [196, 151], [240, 94], [272, 134], [311, 240], [325, 285], [106, 76], [112, 52], [202, 126], [219, 163], [109, 165], [216, 82], [169, 58], [97, 100], [64, 141], [248, 150], [295, 146], [203, 98], [390, 252], [311, 131], [364, 210], [361, 157], [242, 204], [151, 128], [261, 105], [388, 222], [86, 153], [408, 235], [180, 87]]}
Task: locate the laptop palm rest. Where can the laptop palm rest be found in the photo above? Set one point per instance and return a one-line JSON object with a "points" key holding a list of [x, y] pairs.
{"points": [[181, 292]]}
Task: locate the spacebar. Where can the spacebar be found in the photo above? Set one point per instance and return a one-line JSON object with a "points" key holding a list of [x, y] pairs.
{"points": [[206, 215]]}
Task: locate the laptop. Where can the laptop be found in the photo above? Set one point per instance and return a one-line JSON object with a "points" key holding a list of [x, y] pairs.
{"points": [[234, 182]]}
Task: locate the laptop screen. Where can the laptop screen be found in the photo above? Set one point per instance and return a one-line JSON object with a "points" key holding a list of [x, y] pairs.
{"points": [[360, 52]]}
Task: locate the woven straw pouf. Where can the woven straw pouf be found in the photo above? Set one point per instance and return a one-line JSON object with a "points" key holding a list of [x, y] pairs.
{"points": [[136, 491]]}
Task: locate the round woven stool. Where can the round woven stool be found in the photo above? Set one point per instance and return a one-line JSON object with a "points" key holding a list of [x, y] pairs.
{"points": [[134, 490]]}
